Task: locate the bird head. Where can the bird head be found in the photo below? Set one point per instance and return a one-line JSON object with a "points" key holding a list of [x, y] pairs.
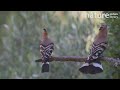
{"points": [[103, 26], [45, 32]]}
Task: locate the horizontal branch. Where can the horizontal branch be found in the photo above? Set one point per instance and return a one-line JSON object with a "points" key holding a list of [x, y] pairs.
{"points": [[114, 61]]}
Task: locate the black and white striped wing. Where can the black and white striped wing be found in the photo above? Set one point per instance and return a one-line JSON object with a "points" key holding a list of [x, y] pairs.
{"points": [[46, 51], [42, 51], [97, 51]]}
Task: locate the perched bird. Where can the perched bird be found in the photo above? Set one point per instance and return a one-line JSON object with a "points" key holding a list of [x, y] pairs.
{"points": [[93, 64], [46, 49]]}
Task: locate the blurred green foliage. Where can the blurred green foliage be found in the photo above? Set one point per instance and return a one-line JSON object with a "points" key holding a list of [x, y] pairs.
{"points": [[72, 33], [114, 44]]}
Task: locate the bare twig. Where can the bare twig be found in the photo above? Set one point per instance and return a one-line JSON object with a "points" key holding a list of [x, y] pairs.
{"points": [[114, 61]]}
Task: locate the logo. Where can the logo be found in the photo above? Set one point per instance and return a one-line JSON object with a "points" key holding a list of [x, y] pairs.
{"points": [[102, 15]]}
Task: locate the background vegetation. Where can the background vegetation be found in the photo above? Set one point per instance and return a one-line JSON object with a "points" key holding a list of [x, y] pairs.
{"points": [[72, 33]]}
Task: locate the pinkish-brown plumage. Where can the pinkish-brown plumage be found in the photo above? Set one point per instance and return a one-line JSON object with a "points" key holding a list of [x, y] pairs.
{"points": [[46, 49], [102, 35]]}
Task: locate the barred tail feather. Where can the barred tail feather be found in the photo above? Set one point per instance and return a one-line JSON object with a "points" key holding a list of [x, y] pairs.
{"points": [[45, 67], [91, 68]]}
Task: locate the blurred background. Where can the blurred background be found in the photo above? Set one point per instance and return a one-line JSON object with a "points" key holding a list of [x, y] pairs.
{"points": [[72, 33]]}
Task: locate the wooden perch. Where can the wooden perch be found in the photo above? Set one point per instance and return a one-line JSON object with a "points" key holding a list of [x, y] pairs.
{"points": [[114, 61]]}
